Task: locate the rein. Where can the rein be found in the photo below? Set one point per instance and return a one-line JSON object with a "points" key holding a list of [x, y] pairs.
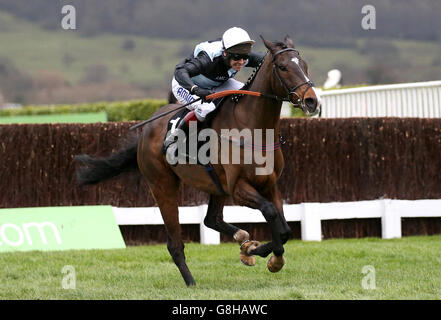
{"points": [[300, 103]]}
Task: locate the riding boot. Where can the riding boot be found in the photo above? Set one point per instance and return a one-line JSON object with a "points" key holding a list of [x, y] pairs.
{"points": [[182, 125]]}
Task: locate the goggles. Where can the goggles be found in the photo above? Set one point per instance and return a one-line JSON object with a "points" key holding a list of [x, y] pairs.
{"points": [[238, 56]]}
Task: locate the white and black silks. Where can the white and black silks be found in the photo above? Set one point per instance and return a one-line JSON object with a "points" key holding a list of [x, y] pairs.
{"points": [[207, 68]]}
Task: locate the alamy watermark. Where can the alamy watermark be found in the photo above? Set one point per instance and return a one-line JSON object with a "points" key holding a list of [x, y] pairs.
{"points": [[369, 20], [69, 19], [69, 281], [368, 282], [248, 147]]}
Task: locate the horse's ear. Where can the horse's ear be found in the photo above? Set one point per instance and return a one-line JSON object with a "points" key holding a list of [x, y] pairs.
{"points": [[289, 42], [268, 44]]}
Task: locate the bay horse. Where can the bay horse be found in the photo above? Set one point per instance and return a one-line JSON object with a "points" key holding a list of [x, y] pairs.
{"points": [[282, 76]]}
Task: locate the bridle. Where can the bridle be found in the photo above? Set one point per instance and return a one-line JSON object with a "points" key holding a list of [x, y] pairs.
{"points": [[299, 102]]}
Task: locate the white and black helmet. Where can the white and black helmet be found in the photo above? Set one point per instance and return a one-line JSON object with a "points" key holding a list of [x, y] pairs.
{"points": [[237, 40]]}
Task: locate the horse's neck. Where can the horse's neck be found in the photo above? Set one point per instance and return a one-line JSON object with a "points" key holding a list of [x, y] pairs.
{"points": [[260, 113]]}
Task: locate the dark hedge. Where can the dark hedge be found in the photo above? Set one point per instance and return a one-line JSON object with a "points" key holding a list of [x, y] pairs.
{"points": [[325, 160]]}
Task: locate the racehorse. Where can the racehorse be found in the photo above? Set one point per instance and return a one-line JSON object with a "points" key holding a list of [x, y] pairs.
{"points": [[282, 76]]}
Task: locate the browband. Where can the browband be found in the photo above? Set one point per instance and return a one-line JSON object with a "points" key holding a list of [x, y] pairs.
{"points": [[284, 50]]}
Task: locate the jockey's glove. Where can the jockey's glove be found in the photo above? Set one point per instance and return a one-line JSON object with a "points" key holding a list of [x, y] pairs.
{"points": [[203, 93]]}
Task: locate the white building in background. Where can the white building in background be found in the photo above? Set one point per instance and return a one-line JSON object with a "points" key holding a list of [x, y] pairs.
{"points": [[420, 99]]}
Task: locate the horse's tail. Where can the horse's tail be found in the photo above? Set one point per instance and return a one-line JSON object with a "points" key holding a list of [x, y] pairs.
{"points": [[98, 169]]}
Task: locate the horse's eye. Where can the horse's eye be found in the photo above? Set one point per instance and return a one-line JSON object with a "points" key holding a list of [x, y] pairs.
{"points": [[283, 68]]}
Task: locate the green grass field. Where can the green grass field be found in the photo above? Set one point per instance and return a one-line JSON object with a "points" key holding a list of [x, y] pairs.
{"points": [[408, 268]]}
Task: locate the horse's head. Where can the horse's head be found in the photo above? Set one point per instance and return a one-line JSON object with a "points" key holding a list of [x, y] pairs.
{"points": [[292, 74]]}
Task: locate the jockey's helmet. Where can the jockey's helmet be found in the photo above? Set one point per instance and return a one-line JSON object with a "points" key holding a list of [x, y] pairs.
{"points": [[236, 40]]}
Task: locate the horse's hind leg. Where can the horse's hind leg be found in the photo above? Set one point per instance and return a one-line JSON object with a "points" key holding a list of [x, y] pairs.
{"points": [[166, 196], [214, 220], [214, 216]]}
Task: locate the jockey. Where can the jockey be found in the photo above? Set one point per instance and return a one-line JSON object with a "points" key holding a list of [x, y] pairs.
{"points": [[210, 69]]}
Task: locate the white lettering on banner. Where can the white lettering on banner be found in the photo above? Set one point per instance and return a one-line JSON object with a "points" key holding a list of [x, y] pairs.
{"points": [[23, 233], [8, 241], [39, 227]]}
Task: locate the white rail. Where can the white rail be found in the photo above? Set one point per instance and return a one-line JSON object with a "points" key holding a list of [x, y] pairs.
{"points": [[420, 99], [310, 216]]}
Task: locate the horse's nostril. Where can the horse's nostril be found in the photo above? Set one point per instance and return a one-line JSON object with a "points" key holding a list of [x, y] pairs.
{"points": [[311, 103]]}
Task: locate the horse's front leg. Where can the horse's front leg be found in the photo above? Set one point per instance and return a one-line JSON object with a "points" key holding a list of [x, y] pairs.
{"points": [[276, 262], [214, 220], [245, 194]]}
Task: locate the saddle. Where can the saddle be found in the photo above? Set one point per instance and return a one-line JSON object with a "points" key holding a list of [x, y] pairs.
{"points": [[174, 120], [171, 151]]}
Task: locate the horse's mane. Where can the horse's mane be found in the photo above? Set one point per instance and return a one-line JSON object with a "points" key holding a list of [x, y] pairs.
{"points": [[250, 80], [234, 98]]}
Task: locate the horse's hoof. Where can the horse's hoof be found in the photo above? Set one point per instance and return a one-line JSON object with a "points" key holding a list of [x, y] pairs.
{"points": [[275, 264], [247, 259], [241, 236], [245, 252], [249, 246]]}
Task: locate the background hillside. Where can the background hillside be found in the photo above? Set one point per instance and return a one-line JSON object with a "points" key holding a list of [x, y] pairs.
{"points": [[124, 49], [314, 22]]}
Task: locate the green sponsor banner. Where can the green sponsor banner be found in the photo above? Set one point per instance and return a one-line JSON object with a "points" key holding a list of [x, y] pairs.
{"points": [[59, 228]]}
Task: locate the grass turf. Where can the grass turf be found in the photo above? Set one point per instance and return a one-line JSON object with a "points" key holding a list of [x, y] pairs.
{"points": [[407, 268]]}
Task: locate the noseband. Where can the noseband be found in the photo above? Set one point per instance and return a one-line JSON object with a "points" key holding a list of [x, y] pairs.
{"points": [[299, 102]]}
